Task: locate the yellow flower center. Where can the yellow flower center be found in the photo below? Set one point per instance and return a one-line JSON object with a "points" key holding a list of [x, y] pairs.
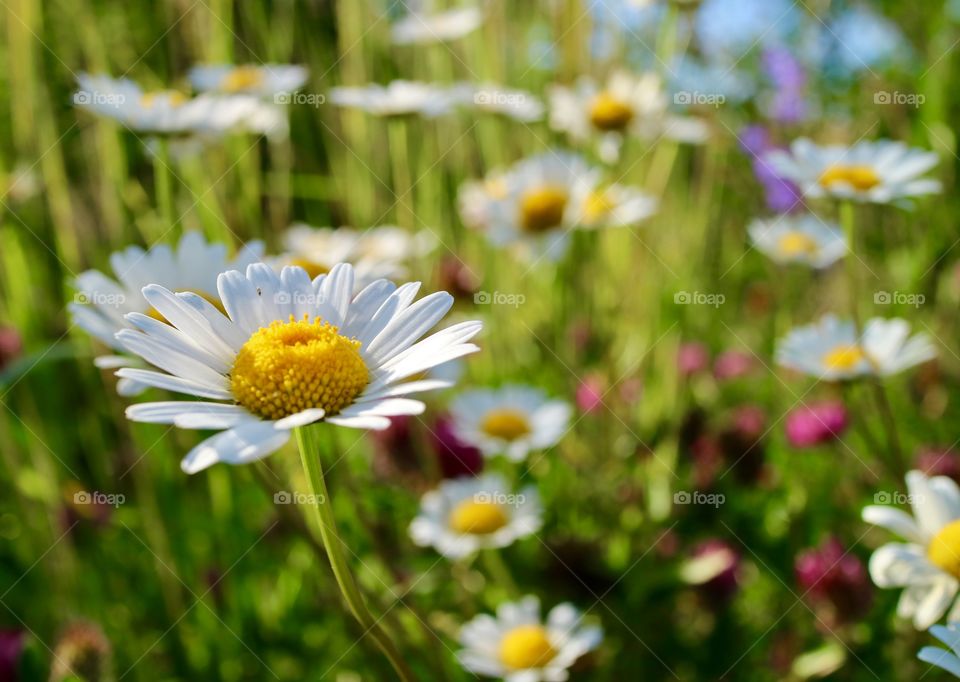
{"points": [[213, 300], [506, 424], [596, 206], [313, 268], [845, 356], [797, 244], [542, 209], [861, 178], [292, 366], [241, 79], [477, 518], [526, 646], [608, 113], [944, 549], [173, 98]]}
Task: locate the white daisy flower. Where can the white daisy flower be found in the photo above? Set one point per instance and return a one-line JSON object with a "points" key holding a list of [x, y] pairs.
{"points": [[878, 172], [102, 303], [422, 29], [518, 646], [262, 80], [375, 253], [288, 352], [804, 239], [945, 659], [169, 112], [616, 206], [519, 105], [928, 564], [829, 349], [465, 515], [511, 420], [543, 200], [476, 198], [399, 98], [627, 105]]}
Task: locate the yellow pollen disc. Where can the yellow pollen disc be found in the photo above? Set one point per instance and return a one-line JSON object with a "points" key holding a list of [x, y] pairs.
{"points": [[542, 209], [596, 206], [861, 178], [313, 268], [477, 518], [241, 78], [944, 549], [608, 113], [526, 646], [174, 98], [292, 366], [506, 424], [845, 356], [213, 300], [797, 244]]}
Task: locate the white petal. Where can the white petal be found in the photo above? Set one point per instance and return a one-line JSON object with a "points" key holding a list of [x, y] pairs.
{"points": [[241, 445], [300, 418]]}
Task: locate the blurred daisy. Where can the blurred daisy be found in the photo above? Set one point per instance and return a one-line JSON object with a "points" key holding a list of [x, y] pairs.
{"points": [[171, 112], [399, 98], [616, 206], [877, 172], [375, 253], [421, 29], [542, 200], [928, 564], [262, 80], [287, 353], [829, 349], [511, 420], [519, 105], [101, 303], [946, 659], [627, 105], [476, 198], [801, 239], [518, 646], [466, 515]]}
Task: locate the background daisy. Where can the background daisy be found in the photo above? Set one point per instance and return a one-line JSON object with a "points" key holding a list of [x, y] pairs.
{"points": [[802, 239]]}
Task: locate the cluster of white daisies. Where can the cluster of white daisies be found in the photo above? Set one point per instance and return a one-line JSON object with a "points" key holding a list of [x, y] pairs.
{"points": [[265, 345]]}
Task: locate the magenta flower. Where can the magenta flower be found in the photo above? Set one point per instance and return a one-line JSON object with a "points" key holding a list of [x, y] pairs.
{"points": [[692, 358], [590, 394], [835, 581], [731, 364], [812, 425], [455, 457]]}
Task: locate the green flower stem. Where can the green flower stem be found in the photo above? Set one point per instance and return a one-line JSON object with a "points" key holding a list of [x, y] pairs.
{"points": [[163, 185], [499, 572], [848, 222], [898, 463], [402, 181], [310, 456]]}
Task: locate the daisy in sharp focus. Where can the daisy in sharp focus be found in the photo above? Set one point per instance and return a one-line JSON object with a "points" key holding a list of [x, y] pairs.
{"points": [[465, 515], [946, 659], [626, 105], [518, 646], [541, 200], [102, 303], [878, 172], [804, 239], [288, 352], [375, 253], [830, 350], [399, 98], [170, 112], [262, 80], [423, 29], [511, 420], [927, 566]]}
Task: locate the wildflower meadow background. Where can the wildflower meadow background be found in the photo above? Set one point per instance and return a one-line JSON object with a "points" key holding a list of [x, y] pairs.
{"points": [[686, 411]]}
